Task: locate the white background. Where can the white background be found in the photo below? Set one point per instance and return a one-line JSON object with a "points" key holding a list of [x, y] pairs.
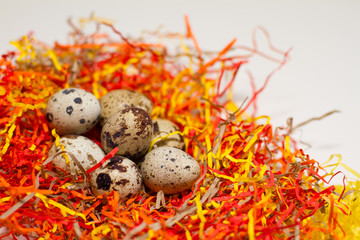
{"points": [[322, 75]]}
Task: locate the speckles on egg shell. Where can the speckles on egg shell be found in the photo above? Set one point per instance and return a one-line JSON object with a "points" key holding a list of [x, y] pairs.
{"points": [[103, 181], [156, 127], [87, 152], [49, 117], [91, 159], [73, 111], [78, 100], [69, 110], [116, 163], [122, 182], [68, 91], [119, 174], [163, 127], [115, 100], [142, 121], [169, 169], [130, 130], [108, 140]]}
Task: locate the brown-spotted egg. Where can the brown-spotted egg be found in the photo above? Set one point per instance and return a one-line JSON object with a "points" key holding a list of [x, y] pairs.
{"points": [[169, 169], [130, 130], [115, 100], [72, 111], [163, 127], [119, 174], [87, 152]]}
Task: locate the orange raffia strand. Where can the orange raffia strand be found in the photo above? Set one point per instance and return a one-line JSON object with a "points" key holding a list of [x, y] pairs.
{"points": [[220, 54], [259, 193], [190, 34]]}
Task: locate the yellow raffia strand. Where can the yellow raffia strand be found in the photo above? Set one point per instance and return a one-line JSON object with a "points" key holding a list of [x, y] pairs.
{"points": [[46, 237], [356, 174], [23, 53], [225, 177], [251, 229], [334, 165], [236, 160], [164, 137], [57, 137], [150, 234], [54, 228], [202, 190], [82, 80], [64, 210], [11, 122], [174, 101], [110, 69], [102, 229], [7, 141], [196, 151], [207, 104], [57, 143], [265, 198], [208, 148], [287, 147], [95, 86], [135, 215], [250, 143], [231, 138], [178, 78], [24, 48], [200, 213], [215, 204], [54, 59], [2, 91], [187, 232], [255, 137], [187, 52], [231, 107], [64, 186], [246, 168], [5, 199]]}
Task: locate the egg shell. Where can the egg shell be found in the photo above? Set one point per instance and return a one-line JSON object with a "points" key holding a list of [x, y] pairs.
{"points": [[163, 127], [115, 100], [169, 169], [130, 130], [73, 111], [119, 174], [87, 152]]}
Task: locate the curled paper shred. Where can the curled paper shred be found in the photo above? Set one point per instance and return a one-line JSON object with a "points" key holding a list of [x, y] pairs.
{"points": [[255, 183]]}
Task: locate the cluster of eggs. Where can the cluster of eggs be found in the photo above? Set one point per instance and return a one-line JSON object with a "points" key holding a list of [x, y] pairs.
{"points": [[124, 117]]}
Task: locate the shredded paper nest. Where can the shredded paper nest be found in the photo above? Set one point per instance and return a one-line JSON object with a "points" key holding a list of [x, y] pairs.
{"points": [[256, 182]]}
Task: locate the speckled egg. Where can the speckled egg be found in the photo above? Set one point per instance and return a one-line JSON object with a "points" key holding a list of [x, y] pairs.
{"points": [[169, 169], [130, 130], [87, 152], [73, 111], [119, 174], [115, 100], [163, 127]]}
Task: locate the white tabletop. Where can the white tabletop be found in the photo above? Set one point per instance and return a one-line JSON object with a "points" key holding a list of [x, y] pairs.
{"points": [[323, 73]]}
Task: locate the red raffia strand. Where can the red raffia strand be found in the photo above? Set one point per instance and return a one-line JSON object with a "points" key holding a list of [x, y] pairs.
{"points": [[256, 183]]}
